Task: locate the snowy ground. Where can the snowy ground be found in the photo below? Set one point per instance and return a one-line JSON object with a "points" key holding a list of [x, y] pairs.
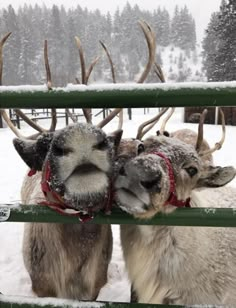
{"points": [[14, 279]]}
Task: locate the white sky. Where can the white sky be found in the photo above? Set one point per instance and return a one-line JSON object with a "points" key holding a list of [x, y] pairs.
{"points": [[201, 10]]}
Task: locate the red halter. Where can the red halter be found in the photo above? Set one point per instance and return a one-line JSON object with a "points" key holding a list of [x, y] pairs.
{"points": [[57, 202], [173, 200]]}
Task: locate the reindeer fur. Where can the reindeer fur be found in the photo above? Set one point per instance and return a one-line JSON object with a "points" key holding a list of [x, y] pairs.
{"points": [[177, 265], [69, 260]]}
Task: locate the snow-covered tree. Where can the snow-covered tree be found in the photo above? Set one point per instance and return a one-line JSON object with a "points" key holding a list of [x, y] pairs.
{"points": [[219, 44]]}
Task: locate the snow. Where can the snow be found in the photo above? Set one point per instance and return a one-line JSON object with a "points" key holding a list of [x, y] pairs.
{"points": [[14, 279], [122, 87], [200, 14], [23, 88], [50, 301]]}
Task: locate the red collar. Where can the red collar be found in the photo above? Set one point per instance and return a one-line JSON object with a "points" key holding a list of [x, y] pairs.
{"points": [[57, 202], [173, 200]]}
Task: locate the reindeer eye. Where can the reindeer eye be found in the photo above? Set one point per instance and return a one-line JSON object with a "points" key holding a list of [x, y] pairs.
{"points": [[140, 148], [101, 145], [191, 171], [167, 134], [61, 151]]}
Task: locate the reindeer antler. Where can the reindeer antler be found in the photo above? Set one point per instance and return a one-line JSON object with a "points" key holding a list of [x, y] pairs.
{"points": [[219, 144], [47, 66], [10, 124], [141, 132], [90, 69], [200, 130], [163, 125], [21, 114], [14, 129], [159, 72], [82, 61], [85, 75], [110, 61], [18, 111], [2, 42], [109, 117], [49, 85], [151, 42], [121, 113]]}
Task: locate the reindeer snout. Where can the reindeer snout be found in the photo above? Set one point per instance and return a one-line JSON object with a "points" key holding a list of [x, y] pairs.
{"points": [[141, 174], [153, 183]]}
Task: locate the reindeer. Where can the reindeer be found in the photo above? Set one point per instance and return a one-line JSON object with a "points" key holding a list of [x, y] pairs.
{"points": [[74, 166], [71, 171], [168, 264], [187, 135], [191, 137]]}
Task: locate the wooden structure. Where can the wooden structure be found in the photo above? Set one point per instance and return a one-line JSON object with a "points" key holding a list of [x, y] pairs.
{"points": [[192, 114]]}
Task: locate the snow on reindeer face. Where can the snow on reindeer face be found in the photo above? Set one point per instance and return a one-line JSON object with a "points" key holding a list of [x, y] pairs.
{"points": [[80, 158], [144, 185]]}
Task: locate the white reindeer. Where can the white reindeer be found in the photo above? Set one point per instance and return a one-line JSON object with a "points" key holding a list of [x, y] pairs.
{"points": [[176, 265], [74, 173], [74, 167]]}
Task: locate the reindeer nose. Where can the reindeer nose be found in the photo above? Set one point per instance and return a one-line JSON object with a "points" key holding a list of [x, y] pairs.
{"points": [[122, 171], [152, 184]]}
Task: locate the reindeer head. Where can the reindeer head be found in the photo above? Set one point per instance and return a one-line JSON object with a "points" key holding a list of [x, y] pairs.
{"points": [[163, 177], [77, 162]]}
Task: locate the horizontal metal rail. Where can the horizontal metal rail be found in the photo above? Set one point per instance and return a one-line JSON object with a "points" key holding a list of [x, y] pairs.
{"points": [[26, 302], [120, 95], [209, 217]]}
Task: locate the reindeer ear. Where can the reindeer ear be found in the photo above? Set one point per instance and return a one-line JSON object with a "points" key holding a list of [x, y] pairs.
{"points": [[33, 152], [216, 176], [115, 137]]}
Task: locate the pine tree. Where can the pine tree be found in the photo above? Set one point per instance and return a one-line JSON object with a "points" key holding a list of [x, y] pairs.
{"points": [[57, 48], [210, 47], [73, 57], [11, 58], [161, 25], [183, 31], [174, 34], [220, 44]]}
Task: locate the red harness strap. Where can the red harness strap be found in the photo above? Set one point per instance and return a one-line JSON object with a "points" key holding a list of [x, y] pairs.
{"points": [[173, 200], [57, 202]]}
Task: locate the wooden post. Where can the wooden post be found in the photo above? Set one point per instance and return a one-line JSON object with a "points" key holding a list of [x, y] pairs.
{"points": [[18, 121], [130, 113]]}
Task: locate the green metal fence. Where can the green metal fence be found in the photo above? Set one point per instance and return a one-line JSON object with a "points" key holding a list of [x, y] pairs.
{"points": [[125, 95], [204, 217], [200, 94]]}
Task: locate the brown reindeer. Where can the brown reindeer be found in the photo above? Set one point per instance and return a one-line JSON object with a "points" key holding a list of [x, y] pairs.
{"points": [[176, 265], [191, 137], [187, 135]]}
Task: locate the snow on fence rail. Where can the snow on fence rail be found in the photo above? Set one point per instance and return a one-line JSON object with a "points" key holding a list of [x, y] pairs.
{"points": [[120, 95]]}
